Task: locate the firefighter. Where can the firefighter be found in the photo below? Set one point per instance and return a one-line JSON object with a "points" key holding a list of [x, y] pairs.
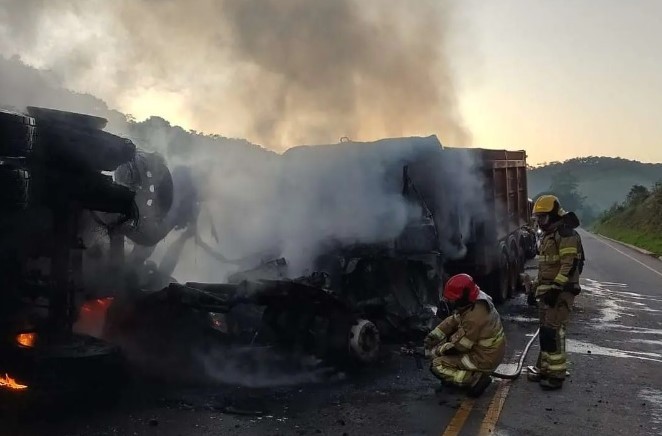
{"points": [[561, 260], [469, 344]]}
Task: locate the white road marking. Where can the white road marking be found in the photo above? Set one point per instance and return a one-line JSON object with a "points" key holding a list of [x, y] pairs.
{"points": [[586, 348], [654, 397], [632, 330], [518, 318], [627, 255], [646, 341]]}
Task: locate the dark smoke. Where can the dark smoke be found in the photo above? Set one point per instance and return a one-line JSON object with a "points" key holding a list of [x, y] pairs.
{"points": [[280, 72]]}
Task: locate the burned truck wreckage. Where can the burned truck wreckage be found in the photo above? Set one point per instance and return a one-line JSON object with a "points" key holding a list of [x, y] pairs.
{"points": [[358, 295], [76, 197]]}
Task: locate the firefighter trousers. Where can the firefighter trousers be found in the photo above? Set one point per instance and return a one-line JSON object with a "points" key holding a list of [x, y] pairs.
{"points": [[451, 369], [552, 359]]}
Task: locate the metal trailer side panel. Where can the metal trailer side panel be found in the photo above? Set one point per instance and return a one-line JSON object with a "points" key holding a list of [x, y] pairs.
{"points": [[504, 181]]}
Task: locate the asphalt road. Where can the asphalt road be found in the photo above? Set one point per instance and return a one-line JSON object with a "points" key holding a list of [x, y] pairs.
{"points": [[615, 387], [615, 346]]}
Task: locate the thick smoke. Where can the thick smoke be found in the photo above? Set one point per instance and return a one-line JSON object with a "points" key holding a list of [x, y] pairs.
{"points": [[263, 205], [295, 205], [278, 72], [281, 72]]}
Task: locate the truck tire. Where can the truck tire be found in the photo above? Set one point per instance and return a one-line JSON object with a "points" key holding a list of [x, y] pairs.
{"points": [[73, 119], [501, 277], [17, 133], [531, 241], [523, 249], [516, 265], [65, 145], [364, 342]]}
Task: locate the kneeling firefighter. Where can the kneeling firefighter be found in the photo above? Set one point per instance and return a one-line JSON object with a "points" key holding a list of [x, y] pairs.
{"points": [[560, 262], [469, 344]]}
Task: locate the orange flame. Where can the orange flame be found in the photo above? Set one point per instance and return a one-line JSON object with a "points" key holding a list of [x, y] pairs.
{"points": [[92, 316], [26, 339], [8, 382]]}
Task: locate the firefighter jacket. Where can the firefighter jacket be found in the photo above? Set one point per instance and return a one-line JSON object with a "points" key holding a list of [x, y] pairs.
{"points": [[475, 333], [561, 257]]}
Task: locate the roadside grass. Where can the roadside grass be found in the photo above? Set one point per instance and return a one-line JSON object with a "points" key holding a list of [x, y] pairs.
{"points": [[651, 241]]}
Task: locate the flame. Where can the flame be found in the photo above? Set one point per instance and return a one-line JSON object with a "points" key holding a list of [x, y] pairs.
{"points": [[92, 316], [8, 382], [26, 339]]}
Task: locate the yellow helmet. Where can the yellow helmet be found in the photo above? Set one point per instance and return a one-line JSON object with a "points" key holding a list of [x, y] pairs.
{"points": [[548, 204]]}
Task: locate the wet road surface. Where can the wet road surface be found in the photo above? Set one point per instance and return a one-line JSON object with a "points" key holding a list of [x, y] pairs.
{"points": [[615, 387], [615, 350]]}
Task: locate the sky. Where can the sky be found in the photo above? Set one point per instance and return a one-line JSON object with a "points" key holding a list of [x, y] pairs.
{"points": [[564, 78], [558, 78]]}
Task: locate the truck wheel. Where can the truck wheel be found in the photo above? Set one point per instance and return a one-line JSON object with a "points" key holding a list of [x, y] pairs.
{"points": [[522, 249], [531, 244], [501, 278], [364, 342], [149, 176], [17, 133], [515, 266]]}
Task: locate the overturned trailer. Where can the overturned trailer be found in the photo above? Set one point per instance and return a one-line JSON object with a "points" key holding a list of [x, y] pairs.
{"points": [[471, 216], [58, 199]]}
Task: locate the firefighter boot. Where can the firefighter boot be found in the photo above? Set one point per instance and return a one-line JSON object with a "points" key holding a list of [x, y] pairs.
{"points": [[477, 388], [533, 374], [551, 383], [447, 387]]}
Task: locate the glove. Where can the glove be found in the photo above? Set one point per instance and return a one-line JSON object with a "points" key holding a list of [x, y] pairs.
{"points": [[433, 338], [442, 349], [551, 297]]}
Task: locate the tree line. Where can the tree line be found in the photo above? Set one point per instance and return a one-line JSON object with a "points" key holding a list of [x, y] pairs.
{"points": [[565, 187]]}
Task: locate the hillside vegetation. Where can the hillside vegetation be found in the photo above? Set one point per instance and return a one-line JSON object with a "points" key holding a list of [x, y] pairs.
{"points": [[588, 185], [603, 181], [637, 220]]}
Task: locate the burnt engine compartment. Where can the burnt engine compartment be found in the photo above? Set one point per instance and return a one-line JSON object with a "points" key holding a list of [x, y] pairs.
{"points": [[356, 299]]}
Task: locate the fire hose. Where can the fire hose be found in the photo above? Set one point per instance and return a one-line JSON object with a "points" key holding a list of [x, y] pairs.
{"points": [[418, 354]]}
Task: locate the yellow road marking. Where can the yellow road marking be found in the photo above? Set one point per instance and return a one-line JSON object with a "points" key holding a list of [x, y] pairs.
{"points": [[494, 410], [455, 426]]}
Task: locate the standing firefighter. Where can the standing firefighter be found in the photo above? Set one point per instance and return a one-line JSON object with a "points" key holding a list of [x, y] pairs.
{"points": [[561, 260], [469, 344]]}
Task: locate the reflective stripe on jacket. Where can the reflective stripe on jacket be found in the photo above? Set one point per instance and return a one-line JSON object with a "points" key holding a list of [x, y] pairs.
{"points": [[477, 333], [558, 262]]}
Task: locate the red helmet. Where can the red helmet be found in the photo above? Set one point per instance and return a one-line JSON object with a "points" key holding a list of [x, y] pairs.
{"points": [[461, 287]]}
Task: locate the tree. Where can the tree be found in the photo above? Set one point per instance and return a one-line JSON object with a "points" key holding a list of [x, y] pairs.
{"points": [[637, 194], [564, 185]]}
